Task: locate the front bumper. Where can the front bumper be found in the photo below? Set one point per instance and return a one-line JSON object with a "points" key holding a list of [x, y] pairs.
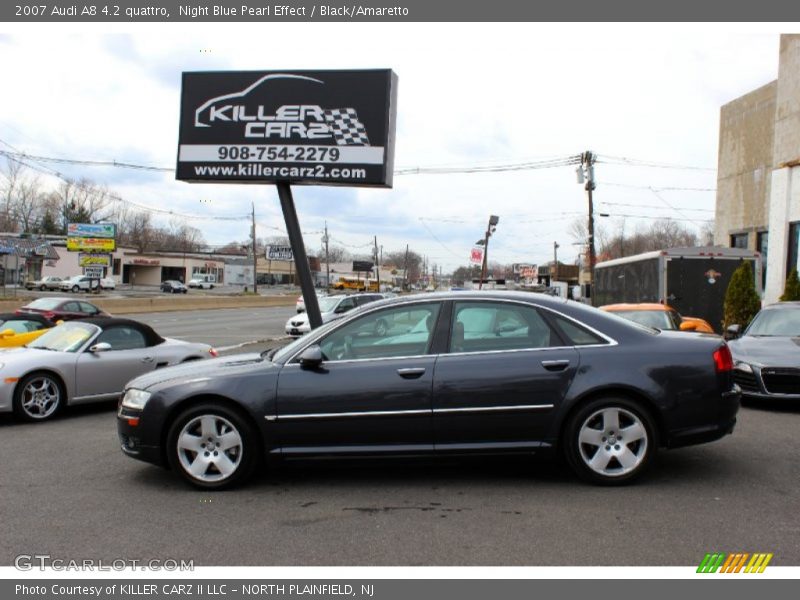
{"points": [[769, 383], [136, 440]]}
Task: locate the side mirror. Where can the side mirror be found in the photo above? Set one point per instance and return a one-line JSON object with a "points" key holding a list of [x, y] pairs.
{"points": [[7, 333], [341, 309], [101, 347], [311, 358], [733, 331], [688, 326]]}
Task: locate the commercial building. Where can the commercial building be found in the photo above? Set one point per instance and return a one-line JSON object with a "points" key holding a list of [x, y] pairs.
{"points": [[758, 175]]}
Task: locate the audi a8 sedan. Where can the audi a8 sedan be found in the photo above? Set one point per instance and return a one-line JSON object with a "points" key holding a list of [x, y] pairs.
{"points": [[441, 373]]}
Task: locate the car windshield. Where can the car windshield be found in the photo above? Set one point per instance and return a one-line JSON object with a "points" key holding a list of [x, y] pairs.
{"points": [[69, 337], [776, 322], [328, 303], [44, 303], [658, 319]]}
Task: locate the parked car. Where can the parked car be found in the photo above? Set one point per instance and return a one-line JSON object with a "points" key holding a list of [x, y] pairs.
{"points": [[767, 354], [300, 305], [85, 361], [658, 316], [173, 286], [50, 282], [18, 330], [108, 283], [78, 283], [477, 372], [204, 282], [330, 308], [63, 309]]}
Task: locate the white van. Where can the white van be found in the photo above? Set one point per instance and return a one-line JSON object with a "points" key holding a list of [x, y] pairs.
{"points": [[204, 281]]}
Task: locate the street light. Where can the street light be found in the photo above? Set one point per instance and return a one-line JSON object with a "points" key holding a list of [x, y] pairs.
{"points": [[490, 229]]}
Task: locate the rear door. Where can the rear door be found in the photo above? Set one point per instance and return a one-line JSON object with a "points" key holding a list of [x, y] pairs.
{"points": [[506, 372]]}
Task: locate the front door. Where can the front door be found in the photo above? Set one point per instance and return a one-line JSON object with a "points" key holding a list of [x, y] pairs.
{"points": [[372, 391]]}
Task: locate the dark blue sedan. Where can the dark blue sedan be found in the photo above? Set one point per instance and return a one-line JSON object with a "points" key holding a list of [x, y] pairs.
{"points": [[444, 373]]}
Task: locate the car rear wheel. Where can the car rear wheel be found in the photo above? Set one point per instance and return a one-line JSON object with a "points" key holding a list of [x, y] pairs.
{"points": [[75, 289], [212, 447], [38, 397], [43, 288], [610, 441]]}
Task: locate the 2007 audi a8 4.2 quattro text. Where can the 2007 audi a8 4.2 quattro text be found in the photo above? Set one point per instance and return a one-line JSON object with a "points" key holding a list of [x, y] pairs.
{"points": [[458, 372]]}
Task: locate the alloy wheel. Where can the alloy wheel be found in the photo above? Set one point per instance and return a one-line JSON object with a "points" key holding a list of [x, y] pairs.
{"points": [[613, 441]]}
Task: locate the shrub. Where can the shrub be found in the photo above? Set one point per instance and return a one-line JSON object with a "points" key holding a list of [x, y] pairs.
{"points": [[792, 290], [741, 299]]}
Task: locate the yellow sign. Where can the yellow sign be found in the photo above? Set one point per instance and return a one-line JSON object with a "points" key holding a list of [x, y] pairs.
{"points": [[91, 244]]}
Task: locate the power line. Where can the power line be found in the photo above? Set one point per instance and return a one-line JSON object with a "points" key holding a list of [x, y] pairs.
{"points": [[635, 162], [653, 206]]}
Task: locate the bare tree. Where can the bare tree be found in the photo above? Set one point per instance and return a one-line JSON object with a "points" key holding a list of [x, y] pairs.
{"points": [[10, 178]]}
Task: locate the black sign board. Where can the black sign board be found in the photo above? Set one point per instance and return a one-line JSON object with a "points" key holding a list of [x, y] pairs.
{"points": [[362, 266], [280, 253], [299, 127]]}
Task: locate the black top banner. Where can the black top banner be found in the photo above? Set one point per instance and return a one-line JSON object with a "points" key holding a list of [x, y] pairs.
{"points": [[306, 127], [122, 11]]}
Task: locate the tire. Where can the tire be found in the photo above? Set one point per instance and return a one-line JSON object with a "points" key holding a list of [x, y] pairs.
{"points": [[38, 397], [188, 447], [75, 289], [42, 288], [592, 441]]}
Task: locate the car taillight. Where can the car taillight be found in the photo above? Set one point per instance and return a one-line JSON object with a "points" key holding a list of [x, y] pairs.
{"points": [[213, 352], [723, 361], [49, 315]]}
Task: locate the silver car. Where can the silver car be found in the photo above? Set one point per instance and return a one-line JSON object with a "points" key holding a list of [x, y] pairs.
{"points": [[85, 361], [330, 308]]}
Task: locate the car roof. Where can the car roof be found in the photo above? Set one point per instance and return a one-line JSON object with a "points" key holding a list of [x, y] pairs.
{"points": [[106, 322], [790, 304], [26, 315]]}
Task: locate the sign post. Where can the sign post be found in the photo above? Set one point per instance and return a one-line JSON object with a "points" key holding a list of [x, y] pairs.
{"points": [[289, 127]]}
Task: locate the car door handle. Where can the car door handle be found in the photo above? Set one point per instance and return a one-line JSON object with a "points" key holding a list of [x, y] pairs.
{"points": [[147, 359], [555, 365], [411, 373]]}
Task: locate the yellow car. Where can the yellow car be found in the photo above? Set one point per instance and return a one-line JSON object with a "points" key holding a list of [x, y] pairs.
{"points": [[18, 330]]}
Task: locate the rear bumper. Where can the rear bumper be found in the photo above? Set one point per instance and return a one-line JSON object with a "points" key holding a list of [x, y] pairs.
{"points": [[720, 427]]}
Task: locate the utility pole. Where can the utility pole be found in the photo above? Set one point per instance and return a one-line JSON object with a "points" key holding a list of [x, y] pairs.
{"points": [[493, 221], [554, 277], [587, 170], [255, 254], [405, 271], [327, 262], [377, 264]]}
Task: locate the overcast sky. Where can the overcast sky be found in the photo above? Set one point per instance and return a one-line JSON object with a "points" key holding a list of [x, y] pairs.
{"points": [[469, 94]]}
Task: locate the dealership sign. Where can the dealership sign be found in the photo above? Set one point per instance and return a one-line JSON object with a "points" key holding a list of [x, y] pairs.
{"points": [[280, 253], [92, 230], [94, 260], [91, 245], [476, 255], [299, 127]]}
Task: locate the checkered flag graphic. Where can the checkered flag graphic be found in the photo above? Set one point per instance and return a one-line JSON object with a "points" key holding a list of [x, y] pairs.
{"points": [[347, 130]]}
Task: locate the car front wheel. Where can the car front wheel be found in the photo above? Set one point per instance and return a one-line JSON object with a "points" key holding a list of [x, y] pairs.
{"points": [[610, 441], [212, 447], [38, 397]]}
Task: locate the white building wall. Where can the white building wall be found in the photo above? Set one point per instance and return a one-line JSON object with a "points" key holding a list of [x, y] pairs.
{"points": [[784, 208]]}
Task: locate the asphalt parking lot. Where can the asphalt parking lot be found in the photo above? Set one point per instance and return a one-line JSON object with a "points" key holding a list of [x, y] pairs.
{"points": [[69, 492]]}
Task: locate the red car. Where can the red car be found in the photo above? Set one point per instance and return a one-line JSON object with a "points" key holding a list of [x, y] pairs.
{"points": [[62, 309]]}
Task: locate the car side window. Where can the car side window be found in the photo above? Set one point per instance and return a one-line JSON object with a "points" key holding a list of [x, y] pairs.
{"points": [[390, 333], [577, 335], [122, 338], [71, 307], [345, 305], [495, 326], [22, 326], [88, 308]]}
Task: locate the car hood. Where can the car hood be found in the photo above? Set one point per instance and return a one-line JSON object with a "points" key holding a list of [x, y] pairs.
{"points": [[767, 351], [196, 371], [20, 355]]}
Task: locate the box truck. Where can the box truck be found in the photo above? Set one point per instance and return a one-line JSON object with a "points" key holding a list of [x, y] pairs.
{"points": [[691, 280]]}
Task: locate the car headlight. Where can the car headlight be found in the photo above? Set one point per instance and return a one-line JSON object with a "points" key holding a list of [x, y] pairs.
{"points": [[743, 366], [135, 399]]}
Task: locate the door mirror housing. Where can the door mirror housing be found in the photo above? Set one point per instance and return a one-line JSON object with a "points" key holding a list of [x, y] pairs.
{"points": [[101, 347], [311, 357], [7, 332], [688, 326], [733, 331]]}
